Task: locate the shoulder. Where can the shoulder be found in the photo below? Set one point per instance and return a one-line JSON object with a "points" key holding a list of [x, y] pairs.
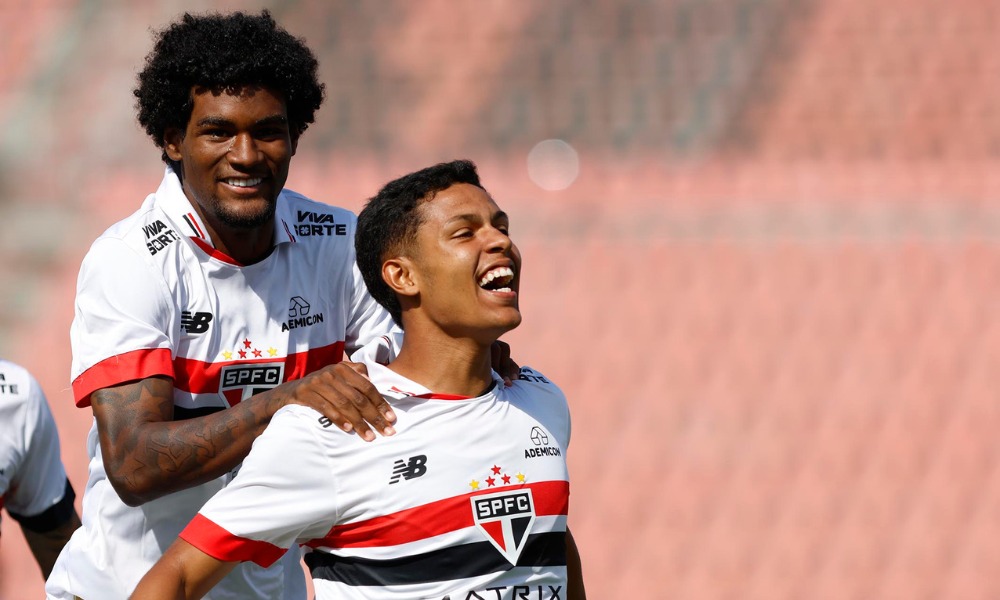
{"points": [[537, 382], [299, 418], [311, 219], [19, 391], [141, 235], [538, 394], [17, 379], [535, 392]]}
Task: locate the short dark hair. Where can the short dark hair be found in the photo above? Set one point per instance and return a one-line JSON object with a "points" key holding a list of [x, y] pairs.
{"points": [[390, 220], [224, 52]]}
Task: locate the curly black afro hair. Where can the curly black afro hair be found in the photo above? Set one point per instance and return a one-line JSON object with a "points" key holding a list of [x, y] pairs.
{"points": [[223, 52]]}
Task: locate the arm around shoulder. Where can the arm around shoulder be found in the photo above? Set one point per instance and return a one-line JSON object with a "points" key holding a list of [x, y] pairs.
{"points": [[148, 455]]}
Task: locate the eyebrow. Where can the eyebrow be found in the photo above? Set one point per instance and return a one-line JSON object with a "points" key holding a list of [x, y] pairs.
{"points": [[221, 122], [497, 216]]}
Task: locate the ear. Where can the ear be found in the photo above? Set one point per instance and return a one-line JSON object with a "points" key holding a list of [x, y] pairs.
{"points": [[295, 144], [172, 138], [399, 274]]}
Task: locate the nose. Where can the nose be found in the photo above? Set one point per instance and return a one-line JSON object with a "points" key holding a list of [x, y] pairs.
{"points": [[243, 150], [498, 241]]}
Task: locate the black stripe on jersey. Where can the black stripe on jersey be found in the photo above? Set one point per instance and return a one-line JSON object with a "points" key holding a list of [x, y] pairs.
{"points": [[190, 223], [182, 414], [52, 517], [458, 562]]}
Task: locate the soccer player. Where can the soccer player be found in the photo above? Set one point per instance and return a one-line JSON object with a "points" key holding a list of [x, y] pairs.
{"points": [[202, 314], [33, 484], [470, 498]]}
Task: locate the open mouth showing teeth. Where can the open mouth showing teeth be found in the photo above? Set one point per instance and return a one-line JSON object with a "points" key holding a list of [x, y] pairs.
{"points": [[243, 182], [497, 280]]}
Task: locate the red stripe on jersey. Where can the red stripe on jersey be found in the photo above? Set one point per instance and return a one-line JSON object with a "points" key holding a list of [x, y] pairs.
{"points": [[200, 377], [194, 224], [288, 231], [436, 518], [130, 366], [215, 253], [218, 543], [190, 375], [433, 396]]}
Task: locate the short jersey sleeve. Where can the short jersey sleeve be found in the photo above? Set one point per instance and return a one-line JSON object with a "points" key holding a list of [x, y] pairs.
{"points": [[38, 495], [370, 325], [122, 321], [285, 491]]}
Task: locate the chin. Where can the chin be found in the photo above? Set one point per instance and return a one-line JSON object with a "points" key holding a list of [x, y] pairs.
{"points": [[510, 322], [246, 220]]}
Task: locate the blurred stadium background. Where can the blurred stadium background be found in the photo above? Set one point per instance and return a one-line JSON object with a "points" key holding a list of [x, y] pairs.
{"points": [[761, 255]]}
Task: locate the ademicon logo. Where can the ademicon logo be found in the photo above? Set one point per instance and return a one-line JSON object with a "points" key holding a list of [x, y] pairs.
{"points": [[299, 314]]}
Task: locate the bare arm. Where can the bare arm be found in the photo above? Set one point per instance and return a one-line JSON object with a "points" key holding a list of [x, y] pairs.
{"points": [[574, 570], [47, 545], [148, 455], [182, 573]]}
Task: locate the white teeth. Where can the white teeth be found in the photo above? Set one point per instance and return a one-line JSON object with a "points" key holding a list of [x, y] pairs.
{"points": [[503, 273], [244, 182]]}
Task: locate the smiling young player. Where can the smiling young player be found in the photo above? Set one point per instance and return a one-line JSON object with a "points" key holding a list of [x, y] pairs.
{"points": [[200, 315], [470, 498]]}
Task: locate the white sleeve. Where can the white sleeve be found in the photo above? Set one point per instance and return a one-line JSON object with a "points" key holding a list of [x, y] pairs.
{"points": [[122, 306], [285, 491], [371, 332], [40, 480]]}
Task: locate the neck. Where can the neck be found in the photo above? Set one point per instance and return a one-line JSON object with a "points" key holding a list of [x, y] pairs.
{"points": [[444, 364], [245, 246]]}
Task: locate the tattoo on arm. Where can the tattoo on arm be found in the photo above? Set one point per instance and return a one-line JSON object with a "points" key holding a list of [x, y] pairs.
{"points": [[150, 455]]}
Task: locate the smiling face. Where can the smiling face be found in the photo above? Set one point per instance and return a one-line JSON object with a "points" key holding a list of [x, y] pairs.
{"points": [[234, 156], [465, 268]]}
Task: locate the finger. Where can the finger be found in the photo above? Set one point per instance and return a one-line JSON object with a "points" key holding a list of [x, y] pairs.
{"points": [[499, 351], [512, 372], [332, 392], [364, 385], [340, 399], [369, 407], [504, 364], [359, 368]]}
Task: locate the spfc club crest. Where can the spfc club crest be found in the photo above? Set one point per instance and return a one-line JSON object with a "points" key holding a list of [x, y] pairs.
{"points": [[239, 382], [506, 519]]}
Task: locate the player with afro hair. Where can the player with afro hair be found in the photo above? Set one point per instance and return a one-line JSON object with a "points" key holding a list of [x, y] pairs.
{"points": [[224, 53]]}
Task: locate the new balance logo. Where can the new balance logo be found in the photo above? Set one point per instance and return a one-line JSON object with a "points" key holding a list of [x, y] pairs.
{"points": [[195, 322], [413, 467]]}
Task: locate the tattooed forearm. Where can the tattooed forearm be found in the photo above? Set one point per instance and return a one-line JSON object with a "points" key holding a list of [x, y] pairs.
{"points": [[147, 454]]}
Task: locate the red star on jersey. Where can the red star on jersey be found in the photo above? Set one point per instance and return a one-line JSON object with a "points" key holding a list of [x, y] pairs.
{"points": [[506, 479], [491, 482], [496, 470], [257, 353], [242, 353], [246, 343]]}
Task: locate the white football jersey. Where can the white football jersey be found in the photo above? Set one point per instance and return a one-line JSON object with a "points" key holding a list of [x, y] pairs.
{"points": [[154, 297], [469, 498], [33, 484]]}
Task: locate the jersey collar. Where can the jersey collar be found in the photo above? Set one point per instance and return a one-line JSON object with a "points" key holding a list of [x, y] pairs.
{"points": [[395, 385], [171, 198]]}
